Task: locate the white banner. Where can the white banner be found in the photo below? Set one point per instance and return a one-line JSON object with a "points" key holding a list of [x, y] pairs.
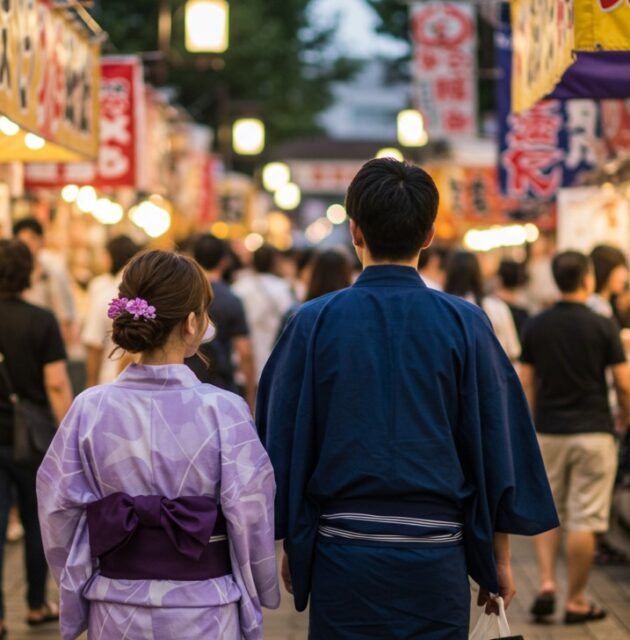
{"points": [[444, 38]]}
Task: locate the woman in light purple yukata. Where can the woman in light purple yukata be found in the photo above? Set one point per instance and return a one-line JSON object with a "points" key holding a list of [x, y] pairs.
{"points": [[156, 496]]}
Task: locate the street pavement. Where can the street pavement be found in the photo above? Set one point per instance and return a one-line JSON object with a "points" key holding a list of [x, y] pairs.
{"points": [[609, 586]]}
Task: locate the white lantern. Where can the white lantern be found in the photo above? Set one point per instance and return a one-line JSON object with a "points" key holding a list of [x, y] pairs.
{"points": [[207, 26]]}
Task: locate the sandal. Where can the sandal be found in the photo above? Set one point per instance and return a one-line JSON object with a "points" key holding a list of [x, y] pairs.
{"points": [[49, 614], [544, 605], [594, 613]]}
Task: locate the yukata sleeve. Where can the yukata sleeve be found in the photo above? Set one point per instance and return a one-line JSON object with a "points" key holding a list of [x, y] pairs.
{"points": [[247, 495], [500, 456], [62, 493], [277, 407]]}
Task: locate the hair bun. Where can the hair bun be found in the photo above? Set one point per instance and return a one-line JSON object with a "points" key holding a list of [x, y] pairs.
{"points": [[138, 335]]}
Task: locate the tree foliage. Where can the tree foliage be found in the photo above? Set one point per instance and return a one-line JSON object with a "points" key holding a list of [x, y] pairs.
{"points": [[278, 65]]}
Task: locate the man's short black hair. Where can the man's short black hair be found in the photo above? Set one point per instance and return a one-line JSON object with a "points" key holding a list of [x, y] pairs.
{"points": [[121, 249], [208, 251], [394, 204], [28, 224], [512, 274], [606, 259], [16, 265], [570, 268]]}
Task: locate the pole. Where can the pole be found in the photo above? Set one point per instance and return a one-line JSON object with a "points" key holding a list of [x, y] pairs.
{"points": [[165, 27]]}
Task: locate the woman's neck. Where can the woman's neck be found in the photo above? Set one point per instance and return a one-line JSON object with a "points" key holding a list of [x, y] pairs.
{"points": [[163, 356]]}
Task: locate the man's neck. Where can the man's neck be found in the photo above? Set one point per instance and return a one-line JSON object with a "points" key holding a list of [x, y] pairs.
{"points": [[579, 297], [368, 261]]}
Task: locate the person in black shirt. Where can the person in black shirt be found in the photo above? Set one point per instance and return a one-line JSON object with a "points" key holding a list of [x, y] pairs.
{"points": [[228, 316], [35, 361], [566, 351]]}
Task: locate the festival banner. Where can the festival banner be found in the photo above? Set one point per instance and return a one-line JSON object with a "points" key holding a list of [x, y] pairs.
{"points": [[121, 134], [616, 123], [605, 74], [602, 25], [547, 147], [543, 41], [444, 66], [49, 78]]}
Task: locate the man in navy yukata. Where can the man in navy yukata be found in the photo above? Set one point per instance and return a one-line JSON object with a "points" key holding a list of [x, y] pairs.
{"points": [[401, 440]]}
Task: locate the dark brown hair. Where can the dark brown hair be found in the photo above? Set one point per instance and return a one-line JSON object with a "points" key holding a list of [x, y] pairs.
{"points": [[174, 284], [332, 270], [16, 266]]}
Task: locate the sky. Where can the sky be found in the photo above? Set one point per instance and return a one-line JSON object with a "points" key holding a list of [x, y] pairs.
{"points": [[356, 35]]}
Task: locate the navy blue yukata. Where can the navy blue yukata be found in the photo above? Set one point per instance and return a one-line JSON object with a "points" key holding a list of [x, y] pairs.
{"points": [[401, 441]]}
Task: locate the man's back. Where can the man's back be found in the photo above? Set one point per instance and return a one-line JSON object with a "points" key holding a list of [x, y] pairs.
{"points": [[390, 392], [570, 348], [386, 377]]}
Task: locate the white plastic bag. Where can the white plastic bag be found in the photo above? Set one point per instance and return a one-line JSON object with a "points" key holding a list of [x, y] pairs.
{"points": [[491, 626]]}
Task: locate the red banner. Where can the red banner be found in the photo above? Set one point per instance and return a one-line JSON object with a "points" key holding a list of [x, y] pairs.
{"points": [[121, 133]]}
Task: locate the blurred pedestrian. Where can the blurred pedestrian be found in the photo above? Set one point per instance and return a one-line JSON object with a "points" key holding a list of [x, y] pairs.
{"points": [[51, 286], [33, 367], [541, 290], [463, 279], [232, 341], [566, 351], [432, 267], [156, 494], [512, 278], [386, 408], [329, 271], [611, 279], [266, 298], [101, 368]]}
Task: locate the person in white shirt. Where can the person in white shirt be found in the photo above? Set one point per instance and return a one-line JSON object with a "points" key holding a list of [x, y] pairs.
{"points": [[101, 369], [266, 299], [463, 279]]}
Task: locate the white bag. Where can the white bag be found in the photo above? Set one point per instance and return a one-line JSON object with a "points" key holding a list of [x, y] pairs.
{"points": [[491, 626]]}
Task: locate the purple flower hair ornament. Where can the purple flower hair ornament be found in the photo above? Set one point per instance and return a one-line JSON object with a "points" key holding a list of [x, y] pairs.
{"points": [[137, 307]]}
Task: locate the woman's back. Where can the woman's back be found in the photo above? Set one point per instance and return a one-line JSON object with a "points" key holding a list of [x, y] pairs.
{"points": [[156, 494]]}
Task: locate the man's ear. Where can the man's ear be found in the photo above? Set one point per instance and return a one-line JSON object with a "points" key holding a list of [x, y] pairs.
{"points": [[357, 235], [429, 239]]}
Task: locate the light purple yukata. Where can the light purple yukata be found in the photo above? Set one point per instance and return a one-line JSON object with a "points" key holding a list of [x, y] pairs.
{"points": [[158, 431]]}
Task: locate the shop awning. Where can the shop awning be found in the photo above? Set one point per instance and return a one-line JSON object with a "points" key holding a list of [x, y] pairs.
{"points": [[49, 81]]}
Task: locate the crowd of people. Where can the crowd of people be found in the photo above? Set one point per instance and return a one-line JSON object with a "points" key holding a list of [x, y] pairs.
{"points": [[352, 393]]}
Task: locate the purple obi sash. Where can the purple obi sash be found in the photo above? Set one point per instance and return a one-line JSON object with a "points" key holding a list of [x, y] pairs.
{"points": [[154, 538]]}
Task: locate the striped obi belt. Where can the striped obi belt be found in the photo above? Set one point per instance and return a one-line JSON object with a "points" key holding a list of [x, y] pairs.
{"points": [[385, 523], [154, 538]]}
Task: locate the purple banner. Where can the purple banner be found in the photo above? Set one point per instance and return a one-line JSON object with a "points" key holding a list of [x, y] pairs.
{"points": [[604, 74]]}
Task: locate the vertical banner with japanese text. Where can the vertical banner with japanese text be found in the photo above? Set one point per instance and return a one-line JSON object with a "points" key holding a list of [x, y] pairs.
{"points": [[444, 66], [546, 147], [543, 40], [602, 25], [121, 133]]}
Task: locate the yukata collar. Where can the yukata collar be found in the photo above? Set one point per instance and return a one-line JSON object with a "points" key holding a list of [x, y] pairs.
{"points": [[389, 275], [164, 376]]}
